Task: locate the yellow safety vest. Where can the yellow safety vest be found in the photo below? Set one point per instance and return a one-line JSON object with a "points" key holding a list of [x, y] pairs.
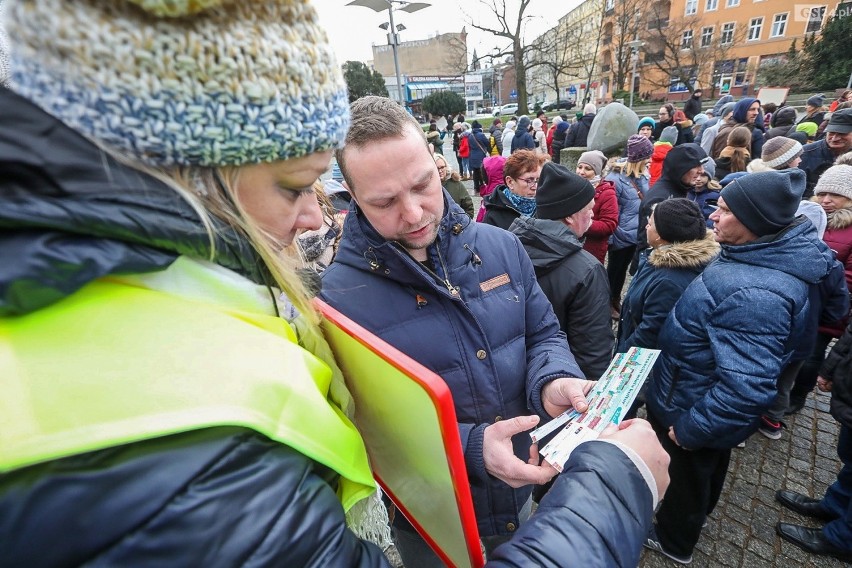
{"points": [[116, 363]]}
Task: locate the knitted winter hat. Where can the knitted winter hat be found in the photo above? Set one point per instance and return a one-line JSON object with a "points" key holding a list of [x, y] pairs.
{"points": [[678, 220], [561, 193], [779, 151], [765, 202], [727, 108], [784, 116], [646, 121], [590, 108], [203, 82], [594, 158], [808, 128], [475, 124], [669, 134], [816, 100], [639, 148], [679, 116], [700, 118], [837, 179], [537, 124]]}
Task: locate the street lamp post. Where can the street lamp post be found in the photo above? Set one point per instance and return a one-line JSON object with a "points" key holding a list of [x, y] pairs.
{"points": [[393, 36]]}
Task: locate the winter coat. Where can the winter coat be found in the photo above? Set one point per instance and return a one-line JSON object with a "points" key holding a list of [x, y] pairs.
{"points": [[464, 145], [523, 140], [661, 150], [708, 135], [739, 118], [495, 142], [576, 285], [493, 167], [436, 140], [723, 167], [838, 236], [540, 140], [706, 201], [660, 126], [478, 143], [684, 132], [460, 195], [663, 275], [604, 222], [837, 368], [691, 107], [679, 160], [781, 122], [508, 136], [492, 334], [219, 495], [816, 118], [730, 335], [499, 211], [558, 142], [629, 203], [578, 133], [816, 158]]}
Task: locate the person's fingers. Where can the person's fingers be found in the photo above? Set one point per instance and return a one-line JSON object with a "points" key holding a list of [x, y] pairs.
{"points": [[574, 392], [534, 457], [610, 430]]}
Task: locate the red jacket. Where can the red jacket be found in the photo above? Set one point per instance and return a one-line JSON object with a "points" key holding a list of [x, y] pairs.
{"points": [[838, 236], [464, 147], [656, 167], [604, 222]]}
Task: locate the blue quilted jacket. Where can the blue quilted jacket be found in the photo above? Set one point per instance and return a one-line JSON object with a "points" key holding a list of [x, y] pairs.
{"points": [[494, 338], [730, 334]]}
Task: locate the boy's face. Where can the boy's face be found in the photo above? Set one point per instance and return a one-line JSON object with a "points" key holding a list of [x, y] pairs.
{"points": [[702, 181]]}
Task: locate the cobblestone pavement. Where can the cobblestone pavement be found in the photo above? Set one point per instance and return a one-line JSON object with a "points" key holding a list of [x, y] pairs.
{"points": [[741, 531]]}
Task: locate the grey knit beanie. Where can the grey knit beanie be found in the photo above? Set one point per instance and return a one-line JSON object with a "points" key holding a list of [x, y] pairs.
{"points": [[669, 135], [837, 180]]}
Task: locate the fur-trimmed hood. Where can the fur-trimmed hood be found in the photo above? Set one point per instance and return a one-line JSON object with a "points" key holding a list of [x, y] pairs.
{"points": [[689, 254]]}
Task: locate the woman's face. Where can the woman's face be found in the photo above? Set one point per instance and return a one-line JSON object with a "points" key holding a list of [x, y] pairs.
{"points": [[279, 196], [831, 202], [664, 114], [646, 131], [443, 171], [525, 184], [585, 171]]}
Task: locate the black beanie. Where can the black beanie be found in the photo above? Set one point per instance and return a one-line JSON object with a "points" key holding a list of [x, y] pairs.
{"points": [[765, 202], [561, 192], [678, 220]]}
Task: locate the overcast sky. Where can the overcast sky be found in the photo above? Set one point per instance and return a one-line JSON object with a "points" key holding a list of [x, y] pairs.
{"points": [[353, 29]]}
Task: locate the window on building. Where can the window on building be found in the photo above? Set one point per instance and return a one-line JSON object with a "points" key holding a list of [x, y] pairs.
{"points": [[686, 40], [711, 5], [815, 18], [779, 25], [728, 33], [732, 3], [754, 28], [610, 5], [706, 36], [691, 7]]}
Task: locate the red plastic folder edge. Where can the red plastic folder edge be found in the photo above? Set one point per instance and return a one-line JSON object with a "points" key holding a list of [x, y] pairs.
{"points": [[433, 387]]}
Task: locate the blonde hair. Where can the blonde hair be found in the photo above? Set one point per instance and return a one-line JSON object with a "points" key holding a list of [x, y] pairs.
{"points": [[636, 169], [454, 175]]}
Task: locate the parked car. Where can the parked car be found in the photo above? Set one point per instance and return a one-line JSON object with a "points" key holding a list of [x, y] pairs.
{"points": [[562, 104], [506, 110]]}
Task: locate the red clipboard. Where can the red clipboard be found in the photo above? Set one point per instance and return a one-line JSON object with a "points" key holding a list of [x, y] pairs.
{"points": [[406, 416]]}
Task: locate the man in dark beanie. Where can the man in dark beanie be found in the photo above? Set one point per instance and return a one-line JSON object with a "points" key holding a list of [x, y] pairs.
{"points": [[726, 342], [572, 279]]}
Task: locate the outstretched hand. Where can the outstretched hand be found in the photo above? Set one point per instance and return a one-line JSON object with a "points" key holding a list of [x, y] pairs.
{"points": [[638, 435], [501, 461], [559, 395]]}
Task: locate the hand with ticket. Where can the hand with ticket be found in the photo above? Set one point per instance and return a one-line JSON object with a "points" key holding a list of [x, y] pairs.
{"points": [[501, 461], [638, 435], [559, 395]]}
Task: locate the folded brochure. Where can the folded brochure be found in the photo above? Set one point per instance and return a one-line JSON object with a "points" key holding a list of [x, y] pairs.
{"points": [[609, 400]]}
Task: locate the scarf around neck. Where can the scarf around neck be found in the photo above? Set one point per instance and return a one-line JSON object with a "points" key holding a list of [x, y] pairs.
{"points": [[524, 205]]}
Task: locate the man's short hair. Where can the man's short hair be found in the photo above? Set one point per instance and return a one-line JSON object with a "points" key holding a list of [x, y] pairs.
{"points": [[374, 119]]}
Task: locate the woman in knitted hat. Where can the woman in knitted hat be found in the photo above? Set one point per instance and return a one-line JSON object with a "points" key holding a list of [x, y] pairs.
{"points": [[681, 247], [539, 137], [515, 196], [779, 153], [814, 110], [736, 155], [630, 179], [833, 192], [809, 129], [646, 127], [590, 166], [168, 398]]}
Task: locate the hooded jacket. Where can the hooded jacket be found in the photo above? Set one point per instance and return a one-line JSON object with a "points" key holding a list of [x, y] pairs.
{"points": [[559, 134], [663, 275], [523, 140], [679, 160], [838, 236], [576, 285], [739, 118], [781, 122], [72, 215], [692, 106], [730, 335], [578, 134], [479, 146], [655, 168], [492, 334], [629, 202], [494, 171]]}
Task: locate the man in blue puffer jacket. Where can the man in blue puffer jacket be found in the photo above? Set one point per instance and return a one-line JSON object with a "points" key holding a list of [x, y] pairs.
{"points": [[462, 299], [727, 340]]}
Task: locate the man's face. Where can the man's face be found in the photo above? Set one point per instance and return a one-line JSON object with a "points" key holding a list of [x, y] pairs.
{"points": [[751, 114], [727, 229], [839, 143], [646, 131], [402, 199], [693, 176], [582, 219]]}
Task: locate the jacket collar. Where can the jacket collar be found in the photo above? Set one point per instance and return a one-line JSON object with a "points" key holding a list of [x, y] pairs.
{"points": [[690, 254]]}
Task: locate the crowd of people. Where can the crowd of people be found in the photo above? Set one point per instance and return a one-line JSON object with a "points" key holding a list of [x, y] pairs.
{"points": [[168, 394]]}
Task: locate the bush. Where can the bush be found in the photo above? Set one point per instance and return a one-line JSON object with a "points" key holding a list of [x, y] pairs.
{"points": [[443, 103]]}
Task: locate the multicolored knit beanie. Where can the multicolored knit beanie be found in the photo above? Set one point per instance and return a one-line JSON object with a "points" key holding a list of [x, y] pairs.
{"points": [[183, 82]]}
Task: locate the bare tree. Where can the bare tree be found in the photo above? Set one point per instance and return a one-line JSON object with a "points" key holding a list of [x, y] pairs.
{"points": [[551, 58], [510, 26], [687, 50], [622, 27]]}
